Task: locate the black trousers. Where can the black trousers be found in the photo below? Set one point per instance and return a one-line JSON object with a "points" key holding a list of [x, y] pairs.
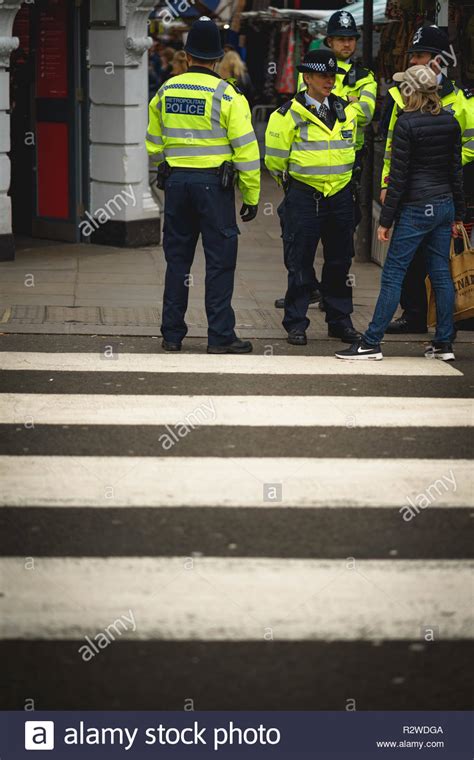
{"points": [[195, 204], [304, 223]]}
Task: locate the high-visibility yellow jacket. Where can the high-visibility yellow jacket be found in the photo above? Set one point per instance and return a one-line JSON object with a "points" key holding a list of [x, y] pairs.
{"points": [[198, 120], [461, 104], [354, 81], [298, 143]]}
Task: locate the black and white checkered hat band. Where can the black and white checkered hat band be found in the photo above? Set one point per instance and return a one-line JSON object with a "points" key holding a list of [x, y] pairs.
{"points": [[324, 67]]}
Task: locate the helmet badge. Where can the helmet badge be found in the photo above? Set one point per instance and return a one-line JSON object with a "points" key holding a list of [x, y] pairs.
{"points": [[345, 19]]}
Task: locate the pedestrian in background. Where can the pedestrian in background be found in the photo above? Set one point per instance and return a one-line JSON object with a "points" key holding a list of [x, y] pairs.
{"points": [[166, 57], [232, 68], [425, 199], [179, 63]]}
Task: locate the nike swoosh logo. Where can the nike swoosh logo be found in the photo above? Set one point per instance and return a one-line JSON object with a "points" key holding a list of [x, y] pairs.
{"points": [[363, 350]]}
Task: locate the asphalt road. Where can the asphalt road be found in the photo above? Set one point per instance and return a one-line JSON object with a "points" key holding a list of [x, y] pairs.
{"points": [[71, 558]]}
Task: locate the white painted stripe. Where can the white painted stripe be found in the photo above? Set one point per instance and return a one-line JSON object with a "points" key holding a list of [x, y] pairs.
{"points": [[63, 481], [342, 411], [246, 365], [216, 599]]}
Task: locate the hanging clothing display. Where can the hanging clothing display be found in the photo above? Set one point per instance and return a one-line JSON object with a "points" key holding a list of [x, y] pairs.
{"points": [[287, 80]]}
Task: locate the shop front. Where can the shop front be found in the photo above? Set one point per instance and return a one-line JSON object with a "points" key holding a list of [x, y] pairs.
{"points": [[73, 115]]}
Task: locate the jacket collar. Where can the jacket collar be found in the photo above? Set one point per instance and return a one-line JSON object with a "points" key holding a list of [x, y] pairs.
{"points": [[346, 65], [447, 87], [303, 110], [202, 70]]}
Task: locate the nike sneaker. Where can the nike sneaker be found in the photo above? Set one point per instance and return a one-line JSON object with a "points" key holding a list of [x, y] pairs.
{"points": [[438, 350], [361, 350]]}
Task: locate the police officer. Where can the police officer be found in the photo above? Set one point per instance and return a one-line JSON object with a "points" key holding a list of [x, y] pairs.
{"points": [[353, 83], [199, 134], [431, 46], [310, 150]]}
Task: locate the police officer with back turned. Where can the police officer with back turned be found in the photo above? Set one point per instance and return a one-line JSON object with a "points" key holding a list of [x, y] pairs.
{"points": [[200, 135], [310, 150]]}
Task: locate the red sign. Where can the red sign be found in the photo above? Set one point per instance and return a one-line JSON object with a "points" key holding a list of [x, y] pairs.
{"points": [[51, 80], [53, 170]]}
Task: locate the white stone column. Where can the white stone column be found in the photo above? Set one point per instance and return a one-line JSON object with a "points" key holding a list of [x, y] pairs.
{"points": [[118, 87], [8, 11]]}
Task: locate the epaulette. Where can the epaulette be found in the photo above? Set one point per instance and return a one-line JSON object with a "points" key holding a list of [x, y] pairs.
{"points": [[354, 74], [468, 93], [285, 107], [234, 85]]}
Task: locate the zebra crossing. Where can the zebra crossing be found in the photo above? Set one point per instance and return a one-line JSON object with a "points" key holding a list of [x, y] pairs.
{"points": [[303, 538]]}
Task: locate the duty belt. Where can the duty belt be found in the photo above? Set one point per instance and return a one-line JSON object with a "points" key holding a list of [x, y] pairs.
{"points": [[310, 189], [210, 170]]}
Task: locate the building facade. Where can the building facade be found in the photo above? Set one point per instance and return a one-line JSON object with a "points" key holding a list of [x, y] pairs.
{"points": [[73, 116]]}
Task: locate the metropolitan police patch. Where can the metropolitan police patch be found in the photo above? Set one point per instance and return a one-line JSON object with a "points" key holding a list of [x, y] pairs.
{"points": [[188, 106]]}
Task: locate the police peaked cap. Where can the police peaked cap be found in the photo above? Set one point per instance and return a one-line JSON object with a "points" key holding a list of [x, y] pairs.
{"points": [[341, 24], [319, 62], [429, 39], [204, 40]]}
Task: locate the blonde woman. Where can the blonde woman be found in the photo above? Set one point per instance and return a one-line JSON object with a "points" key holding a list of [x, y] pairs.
{"points": [[232, 67], [179, 63], [425, 203]]}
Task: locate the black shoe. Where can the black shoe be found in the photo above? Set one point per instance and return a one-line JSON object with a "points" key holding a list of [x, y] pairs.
{"points": [[169, 346], [346, 334], [315, 296], [402, 325], [438, 350], [322, 305], [280, 303], [297, 338], [237, 347], [361, 350]]}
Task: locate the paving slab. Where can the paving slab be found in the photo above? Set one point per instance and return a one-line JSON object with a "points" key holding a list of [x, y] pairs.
{"points": [[101, 290]]}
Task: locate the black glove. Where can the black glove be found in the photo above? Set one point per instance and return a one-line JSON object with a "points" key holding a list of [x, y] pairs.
{"points": [[247, 213]]}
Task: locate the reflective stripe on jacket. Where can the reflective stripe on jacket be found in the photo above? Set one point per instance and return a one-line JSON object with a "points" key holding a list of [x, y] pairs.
{"points": [[198, 120], [297, 142]]}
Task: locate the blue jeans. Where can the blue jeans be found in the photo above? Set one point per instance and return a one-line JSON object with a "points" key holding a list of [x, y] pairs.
{"points": [[429, 226]]}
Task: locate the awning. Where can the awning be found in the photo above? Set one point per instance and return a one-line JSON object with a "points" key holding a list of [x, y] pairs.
{"points": [[356, 9], [321, 17]]}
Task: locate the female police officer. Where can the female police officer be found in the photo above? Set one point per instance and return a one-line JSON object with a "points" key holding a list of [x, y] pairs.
{"points": [[310, 141]]}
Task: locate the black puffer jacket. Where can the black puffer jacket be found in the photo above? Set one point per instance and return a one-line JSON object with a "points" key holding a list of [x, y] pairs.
{"points": [[426, 162]]}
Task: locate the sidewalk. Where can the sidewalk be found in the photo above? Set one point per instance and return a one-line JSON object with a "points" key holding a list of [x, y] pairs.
{"points": [[61, 288]]}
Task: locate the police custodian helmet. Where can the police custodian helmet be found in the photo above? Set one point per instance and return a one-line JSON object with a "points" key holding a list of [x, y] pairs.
{"points": [[429, 39], [204, 40], [341, 24], [318, 62]]}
